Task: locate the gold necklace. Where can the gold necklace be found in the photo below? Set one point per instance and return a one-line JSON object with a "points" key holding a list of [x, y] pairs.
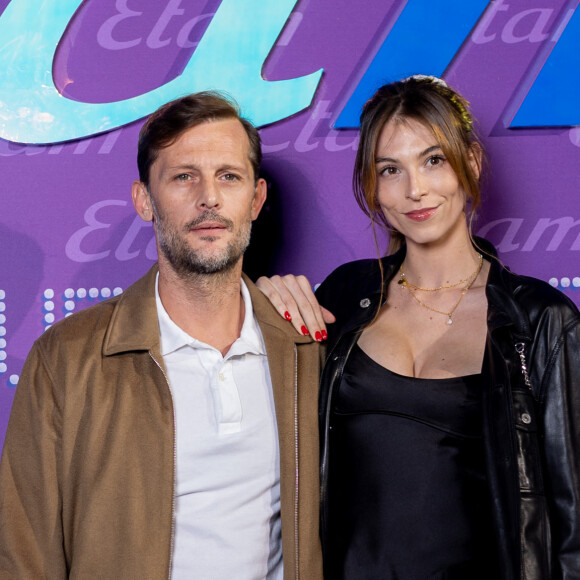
{"points": [[404, 282], [469, 281]]}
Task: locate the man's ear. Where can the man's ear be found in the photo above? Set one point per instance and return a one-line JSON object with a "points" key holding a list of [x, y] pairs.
{"points": [[141, 201], [260, 195]]}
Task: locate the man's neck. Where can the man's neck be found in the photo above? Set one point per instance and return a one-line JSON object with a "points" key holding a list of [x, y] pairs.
{"points": [[209, 307]]}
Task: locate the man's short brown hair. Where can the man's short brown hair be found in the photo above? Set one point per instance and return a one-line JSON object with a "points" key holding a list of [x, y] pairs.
{"points": [[171, 120]]}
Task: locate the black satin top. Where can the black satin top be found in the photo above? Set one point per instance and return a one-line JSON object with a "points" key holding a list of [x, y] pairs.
{"points": [[408, 498]]}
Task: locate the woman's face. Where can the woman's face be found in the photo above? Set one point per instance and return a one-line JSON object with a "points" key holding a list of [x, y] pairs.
{"points": [[417, 189]]}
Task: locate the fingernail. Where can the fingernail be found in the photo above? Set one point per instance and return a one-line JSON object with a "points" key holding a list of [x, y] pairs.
{"points": [[287, 316], [304, 330], [318, 336], [324, 335]]}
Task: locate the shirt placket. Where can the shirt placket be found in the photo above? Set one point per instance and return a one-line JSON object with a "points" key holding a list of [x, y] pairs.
{"points": [[227, 399]]}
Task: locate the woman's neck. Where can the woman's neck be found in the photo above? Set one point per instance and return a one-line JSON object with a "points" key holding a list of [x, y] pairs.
{"points": [[440, 265]]}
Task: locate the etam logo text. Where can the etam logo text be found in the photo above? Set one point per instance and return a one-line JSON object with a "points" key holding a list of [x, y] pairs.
{"points": [[240, 35]]}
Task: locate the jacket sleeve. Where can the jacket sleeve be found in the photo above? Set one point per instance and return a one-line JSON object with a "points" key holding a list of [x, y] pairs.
{"points": [[560, 386], [31, 530]]}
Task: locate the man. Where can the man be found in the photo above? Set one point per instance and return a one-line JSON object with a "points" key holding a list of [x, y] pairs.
{"points": [[171, 431]]}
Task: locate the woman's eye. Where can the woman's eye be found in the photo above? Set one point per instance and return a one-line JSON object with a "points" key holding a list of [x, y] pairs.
{"points": [[435, 160], [389, 170]]}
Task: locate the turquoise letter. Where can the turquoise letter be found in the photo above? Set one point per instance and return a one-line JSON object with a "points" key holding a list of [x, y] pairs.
{"points": [[229, 57]]}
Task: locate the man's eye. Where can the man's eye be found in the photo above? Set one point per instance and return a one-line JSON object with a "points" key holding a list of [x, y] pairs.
{"points": [[230, 177], [182, 177]]}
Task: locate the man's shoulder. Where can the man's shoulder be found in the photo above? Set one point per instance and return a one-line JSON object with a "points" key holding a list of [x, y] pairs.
{"points": [[263, 309], [84, 323], [269, 319], [90, 325]]}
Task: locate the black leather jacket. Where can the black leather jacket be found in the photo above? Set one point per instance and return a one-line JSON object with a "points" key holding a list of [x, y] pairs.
{"points": [[532, 434]]}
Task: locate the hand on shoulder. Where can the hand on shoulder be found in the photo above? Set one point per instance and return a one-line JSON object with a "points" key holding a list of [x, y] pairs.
{"points": [[293, 298]]}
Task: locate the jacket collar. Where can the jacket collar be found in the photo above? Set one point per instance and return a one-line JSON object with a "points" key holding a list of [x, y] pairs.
{"points": [[134, 325], [368, 299], [503, 309]]}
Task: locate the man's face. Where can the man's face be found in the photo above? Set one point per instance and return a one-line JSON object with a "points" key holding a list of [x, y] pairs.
{"points": [[202, 198]]}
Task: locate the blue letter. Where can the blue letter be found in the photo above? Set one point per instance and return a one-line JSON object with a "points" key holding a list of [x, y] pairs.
{"points": [[229, 57], [553, 98], [423, 40]]}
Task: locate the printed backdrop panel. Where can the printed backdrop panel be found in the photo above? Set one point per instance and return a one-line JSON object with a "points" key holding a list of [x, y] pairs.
{"points": [[78, 79]]}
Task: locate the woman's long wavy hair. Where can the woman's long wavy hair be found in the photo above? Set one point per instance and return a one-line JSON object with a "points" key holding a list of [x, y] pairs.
{"points": [[431, 102]]}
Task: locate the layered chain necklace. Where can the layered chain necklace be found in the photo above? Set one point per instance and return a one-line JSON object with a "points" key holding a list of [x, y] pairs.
{"points": [[467, 282]]}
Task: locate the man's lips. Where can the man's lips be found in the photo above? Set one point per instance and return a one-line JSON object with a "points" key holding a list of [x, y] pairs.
{"points": [[205, 226], [420, 215], [209, 223]]}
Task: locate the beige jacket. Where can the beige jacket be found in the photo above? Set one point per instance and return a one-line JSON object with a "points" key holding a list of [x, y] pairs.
{"points": [[88, 465]]}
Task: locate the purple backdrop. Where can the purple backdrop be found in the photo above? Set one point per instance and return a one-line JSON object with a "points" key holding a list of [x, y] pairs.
{"points": [[55, 258]]}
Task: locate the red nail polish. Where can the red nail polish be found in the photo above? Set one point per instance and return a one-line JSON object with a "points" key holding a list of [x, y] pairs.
{"points": [[324, 335], [287, 316], [318, 336], [304, 330]]}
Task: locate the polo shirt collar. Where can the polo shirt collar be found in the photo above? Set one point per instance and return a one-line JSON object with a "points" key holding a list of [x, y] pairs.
{"points": [[173, 337]]}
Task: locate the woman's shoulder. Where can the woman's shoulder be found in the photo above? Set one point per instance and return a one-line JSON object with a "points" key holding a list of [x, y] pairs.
{"points": [[344, 271], [350, 283], [545, 297], [538, 298]]}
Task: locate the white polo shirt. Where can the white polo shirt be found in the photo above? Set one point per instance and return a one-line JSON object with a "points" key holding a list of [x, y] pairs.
{"points": [[228, 469]]}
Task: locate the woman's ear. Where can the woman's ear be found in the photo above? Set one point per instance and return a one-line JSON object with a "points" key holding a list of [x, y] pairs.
{"points": [[476, 158]]}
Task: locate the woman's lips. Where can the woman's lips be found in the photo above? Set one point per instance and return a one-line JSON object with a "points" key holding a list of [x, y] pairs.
{"points": [[420, 215]]}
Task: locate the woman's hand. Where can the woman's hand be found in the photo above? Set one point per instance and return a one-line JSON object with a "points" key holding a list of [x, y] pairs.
{"points": [[293, 298]]}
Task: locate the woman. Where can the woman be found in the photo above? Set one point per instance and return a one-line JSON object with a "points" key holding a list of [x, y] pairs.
{"points": [[450, 399]]}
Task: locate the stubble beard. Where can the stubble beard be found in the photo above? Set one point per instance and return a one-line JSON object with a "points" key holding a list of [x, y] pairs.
{"points": [[187, 262]]}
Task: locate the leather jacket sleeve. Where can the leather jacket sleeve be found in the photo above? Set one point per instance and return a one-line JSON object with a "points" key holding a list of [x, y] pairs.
{"points": [[558, 370]]}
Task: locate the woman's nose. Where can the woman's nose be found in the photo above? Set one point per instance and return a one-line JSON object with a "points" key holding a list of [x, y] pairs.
{"points": [[417, 186]]}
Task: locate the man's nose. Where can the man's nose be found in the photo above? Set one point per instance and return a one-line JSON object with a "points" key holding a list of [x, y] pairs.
{"points": [[209, 194]]}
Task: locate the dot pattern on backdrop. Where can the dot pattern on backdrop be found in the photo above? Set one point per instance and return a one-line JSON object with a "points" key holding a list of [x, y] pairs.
{"points": [[70, 301]]}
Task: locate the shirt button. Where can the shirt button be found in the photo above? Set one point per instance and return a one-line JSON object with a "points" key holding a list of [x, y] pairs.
{"points": [[526, 418], [221, 377], [365, 303]]}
